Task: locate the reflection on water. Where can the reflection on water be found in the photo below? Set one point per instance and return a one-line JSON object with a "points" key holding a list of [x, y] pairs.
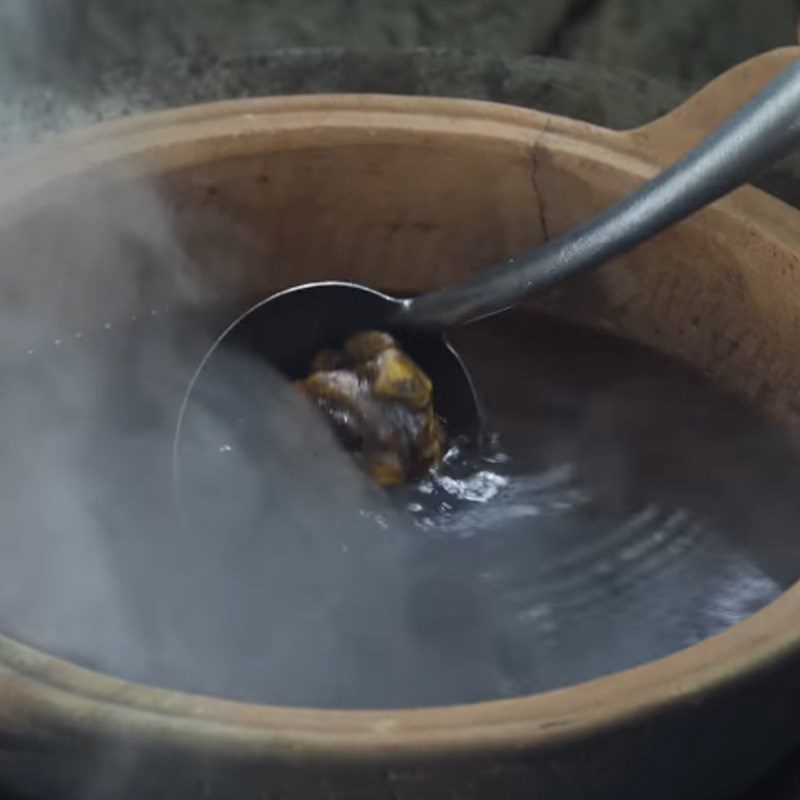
{"points": [[624, 511]]}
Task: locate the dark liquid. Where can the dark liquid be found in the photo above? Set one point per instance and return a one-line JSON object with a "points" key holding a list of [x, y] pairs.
{"points": [[627, 510]]}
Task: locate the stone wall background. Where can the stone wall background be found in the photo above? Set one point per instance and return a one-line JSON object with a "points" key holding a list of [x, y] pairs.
{"points": [[678, 41], [619, 63]]}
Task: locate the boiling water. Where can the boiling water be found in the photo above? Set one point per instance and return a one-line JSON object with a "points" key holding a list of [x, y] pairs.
{"points": [[625, 511]]}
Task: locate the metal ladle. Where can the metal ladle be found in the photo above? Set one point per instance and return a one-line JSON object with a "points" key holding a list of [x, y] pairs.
{"points": [[290, 327]]}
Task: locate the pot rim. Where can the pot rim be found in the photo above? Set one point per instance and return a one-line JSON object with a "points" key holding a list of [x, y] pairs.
{"points": [[40, 686]]}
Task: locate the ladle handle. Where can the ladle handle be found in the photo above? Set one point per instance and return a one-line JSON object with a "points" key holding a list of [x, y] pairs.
{"points": [[757, 135]]}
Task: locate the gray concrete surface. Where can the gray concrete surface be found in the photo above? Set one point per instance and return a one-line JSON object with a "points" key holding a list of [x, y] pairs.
{"points": [[615, 98]]}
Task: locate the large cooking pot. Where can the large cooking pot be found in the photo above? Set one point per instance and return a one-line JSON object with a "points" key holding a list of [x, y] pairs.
{"points": [[407, 195]]}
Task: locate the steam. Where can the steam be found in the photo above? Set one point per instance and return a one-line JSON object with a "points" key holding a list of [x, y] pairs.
{"points": [[289, 578], [284, 576]]}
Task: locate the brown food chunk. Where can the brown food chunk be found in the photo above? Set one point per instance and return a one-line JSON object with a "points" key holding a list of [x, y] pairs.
{"points": [[380, 405]]}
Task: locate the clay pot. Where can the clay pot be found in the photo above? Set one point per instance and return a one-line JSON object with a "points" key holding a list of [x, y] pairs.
{"points": [[407, 195]]}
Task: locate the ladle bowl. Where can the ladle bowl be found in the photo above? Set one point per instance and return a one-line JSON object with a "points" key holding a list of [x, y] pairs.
{"points": [[409, 195], [285, 331]]}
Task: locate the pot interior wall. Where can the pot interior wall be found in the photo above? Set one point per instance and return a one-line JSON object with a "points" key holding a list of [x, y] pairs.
{"points": [[404, 212]]}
